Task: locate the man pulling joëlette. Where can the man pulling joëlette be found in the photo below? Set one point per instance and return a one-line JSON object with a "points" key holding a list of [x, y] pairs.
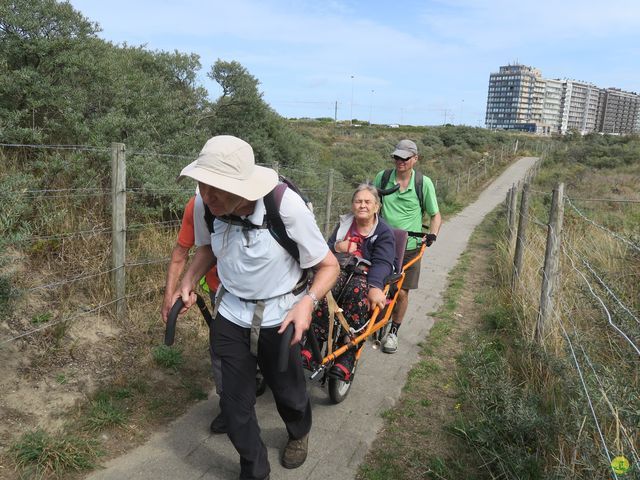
{"points": [[258, 288]]}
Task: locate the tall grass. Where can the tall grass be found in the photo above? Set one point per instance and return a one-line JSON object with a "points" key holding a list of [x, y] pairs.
{"points": [[564, 407]]}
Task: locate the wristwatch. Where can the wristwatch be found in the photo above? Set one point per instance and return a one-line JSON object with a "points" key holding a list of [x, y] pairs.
{"points": [[314, 298]]}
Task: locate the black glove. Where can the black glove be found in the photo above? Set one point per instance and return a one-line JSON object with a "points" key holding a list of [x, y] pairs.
{"points": [[431, 237]]}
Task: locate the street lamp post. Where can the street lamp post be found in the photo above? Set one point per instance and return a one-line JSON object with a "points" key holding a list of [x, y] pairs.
{"points": [[371, 106], [351, 112]]}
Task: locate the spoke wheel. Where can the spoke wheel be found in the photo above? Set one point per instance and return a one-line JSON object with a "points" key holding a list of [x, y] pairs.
{"points": [[339, 389]]}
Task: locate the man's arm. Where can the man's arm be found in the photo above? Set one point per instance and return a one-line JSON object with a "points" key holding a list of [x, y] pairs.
{"points": [[326, 274], [179, 257], [202, 262], [434, 225]]}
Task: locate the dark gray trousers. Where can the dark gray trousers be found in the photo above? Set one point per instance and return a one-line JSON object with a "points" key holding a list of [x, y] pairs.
{"points": [[231, 344]]}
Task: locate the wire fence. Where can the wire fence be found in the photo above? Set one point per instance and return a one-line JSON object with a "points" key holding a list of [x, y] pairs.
{"points": [[67, 226], [594, 323]]}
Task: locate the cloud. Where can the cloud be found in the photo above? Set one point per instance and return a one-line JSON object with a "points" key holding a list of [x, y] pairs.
{"points": [[495, 24]]}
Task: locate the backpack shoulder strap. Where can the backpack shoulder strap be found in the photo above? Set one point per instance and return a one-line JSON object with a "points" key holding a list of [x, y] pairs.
{"points": [[386, 175], [417, 185], [209, 217], [272, 202]]}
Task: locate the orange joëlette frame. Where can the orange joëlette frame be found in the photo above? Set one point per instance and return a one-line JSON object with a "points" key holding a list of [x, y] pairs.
{"points": [[375, 324]]}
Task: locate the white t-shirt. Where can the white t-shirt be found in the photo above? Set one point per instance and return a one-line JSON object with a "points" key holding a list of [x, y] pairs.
{"points": [[252, 264]]}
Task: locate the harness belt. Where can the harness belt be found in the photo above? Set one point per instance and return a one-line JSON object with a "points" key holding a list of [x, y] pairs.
{"points": [[258, 313]]}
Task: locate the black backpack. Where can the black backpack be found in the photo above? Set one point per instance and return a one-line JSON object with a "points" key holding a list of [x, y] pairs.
{"points": [[272, 220], [417, 185]]}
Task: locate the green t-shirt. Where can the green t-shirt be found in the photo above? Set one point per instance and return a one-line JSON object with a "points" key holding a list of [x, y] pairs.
{"points": [[402, 209]]}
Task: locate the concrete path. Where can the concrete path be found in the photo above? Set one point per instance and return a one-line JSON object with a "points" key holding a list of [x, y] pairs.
{"points": [[341, 434]]}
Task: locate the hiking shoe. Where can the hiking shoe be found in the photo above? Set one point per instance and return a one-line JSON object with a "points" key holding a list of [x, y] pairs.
{"points": [[295, 453], [218, 425], [390, 344]]}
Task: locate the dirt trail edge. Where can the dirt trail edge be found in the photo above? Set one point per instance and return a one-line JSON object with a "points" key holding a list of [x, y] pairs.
{"points": [[341, 434]]}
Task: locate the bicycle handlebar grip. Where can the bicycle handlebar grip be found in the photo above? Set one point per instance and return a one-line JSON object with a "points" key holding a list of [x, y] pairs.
{"points": [[285, 341], [170, 330]]}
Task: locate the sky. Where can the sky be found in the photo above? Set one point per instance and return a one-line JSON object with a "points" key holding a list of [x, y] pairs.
{"points": [[389, 62]]}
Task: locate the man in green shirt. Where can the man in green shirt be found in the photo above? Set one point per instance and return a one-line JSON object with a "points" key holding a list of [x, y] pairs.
{"points": [[402, 209]]}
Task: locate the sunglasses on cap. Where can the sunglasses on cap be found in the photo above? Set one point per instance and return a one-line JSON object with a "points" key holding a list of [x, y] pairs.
{"points": [[397, 158]]}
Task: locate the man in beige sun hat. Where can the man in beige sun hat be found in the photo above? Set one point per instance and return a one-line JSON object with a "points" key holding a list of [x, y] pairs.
{"points": [[261, 292]]}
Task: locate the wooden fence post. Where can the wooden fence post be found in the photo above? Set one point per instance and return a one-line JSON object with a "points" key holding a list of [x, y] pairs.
{"points": [[551, 261], [119, 225], [523, 222], [513, 203], [327, 213]]}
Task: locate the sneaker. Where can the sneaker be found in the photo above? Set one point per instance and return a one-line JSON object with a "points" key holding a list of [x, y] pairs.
{"points": [[218, 425], [295, 453], [390, 344]]}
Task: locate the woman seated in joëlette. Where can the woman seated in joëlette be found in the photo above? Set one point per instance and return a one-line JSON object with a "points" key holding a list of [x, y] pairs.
{"points": [[361, 233]]}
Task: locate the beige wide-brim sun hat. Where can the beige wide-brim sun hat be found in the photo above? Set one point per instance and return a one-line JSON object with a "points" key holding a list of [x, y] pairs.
{"points": [[227, 163]]}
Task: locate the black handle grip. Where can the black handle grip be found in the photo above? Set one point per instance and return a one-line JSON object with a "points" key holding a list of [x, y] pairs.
{"points": [[285, 342], [170, 331], [419, 234]]}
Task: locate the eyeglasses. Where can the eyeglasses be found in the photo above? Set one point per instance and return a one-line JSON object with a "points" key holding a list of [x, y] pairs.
{"points": [[400, 159]]}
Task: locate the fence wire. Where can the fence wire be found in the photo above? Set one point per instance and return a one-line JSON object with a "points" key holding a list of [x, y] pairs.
{"points": [[605, 229]]}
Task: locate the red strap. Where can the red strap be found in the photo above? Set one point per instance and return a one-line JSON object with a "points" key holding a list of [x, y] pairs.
{"points": [[345, 370]]}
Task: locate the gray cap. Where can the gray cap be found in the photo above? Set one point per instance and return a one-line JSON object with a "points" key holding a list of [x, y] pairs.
{"points": [[405, 149]]}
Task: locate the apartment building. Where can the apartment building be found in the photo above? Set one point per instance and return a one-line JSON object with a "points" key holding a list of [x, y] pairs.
{"points": [[520, 98], [620, 112], [580, 107], [552, 106], [512, 102]]}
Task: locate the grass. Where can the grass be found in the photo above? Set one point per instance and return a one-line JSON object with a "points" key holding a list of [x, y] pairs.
{"points": [[414, 443], [40, 318], [41, 455], [168, 357], [105, 411]]}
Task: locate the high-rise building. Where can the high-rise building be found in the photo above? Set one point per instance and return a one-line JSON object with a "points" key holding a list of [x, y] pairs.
{"points": [[552, 106], [512, 103], [619, 113], [580, 107], [520, 99]]}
